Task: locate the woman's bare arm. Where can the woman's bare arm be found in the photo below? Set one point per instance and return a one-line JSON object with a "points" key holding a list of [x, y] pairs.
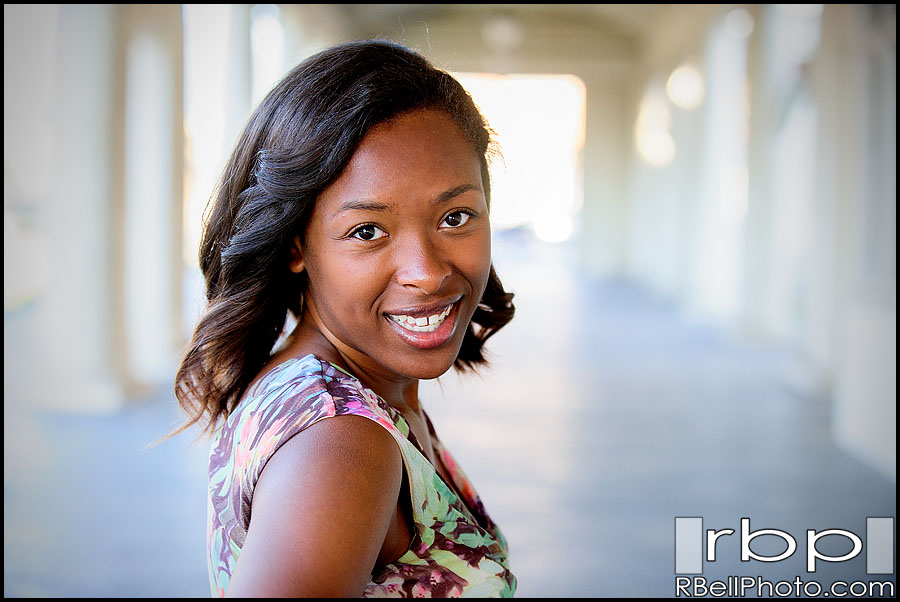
{"points": [[321, 510]]}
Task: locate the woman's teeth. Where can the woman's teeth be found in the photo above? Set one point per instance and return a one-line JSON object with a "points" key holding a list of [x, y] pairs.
{"points": [[424, 324]]}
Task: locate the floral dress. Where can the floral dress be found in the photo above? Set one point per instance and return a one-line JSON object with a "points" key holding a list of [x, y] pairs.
{"points": [[456, 550]]}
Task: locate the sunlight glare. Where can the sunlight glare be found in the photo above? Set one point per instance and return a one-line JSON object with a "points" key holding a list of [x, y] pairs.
{"points": [[685, 87], [539, 125], [651, 131]]}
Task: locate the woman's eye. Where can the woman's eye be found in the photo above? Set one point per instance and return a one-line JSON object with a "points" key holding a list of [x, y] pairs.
{"points": [[457, 219], [368, 232]]}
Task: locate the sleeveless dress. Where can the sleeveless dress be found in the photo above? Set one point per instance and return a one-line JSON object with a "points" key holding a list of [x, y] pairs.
{"points": [[456, 550]]}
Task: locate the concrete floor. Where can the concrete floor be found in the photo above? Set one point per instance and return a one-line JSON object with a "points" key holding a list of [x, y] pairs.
{"points": [[604, 416]]}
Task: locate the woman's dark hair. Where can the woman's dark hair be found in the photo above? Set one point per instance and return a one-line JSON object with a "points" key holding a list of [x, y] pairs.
{"points": [[294, 145]]}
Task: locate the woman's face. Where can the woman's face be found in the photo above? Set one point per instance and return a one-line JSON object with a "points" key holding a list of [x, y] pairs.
{"points": [[398, 248]]}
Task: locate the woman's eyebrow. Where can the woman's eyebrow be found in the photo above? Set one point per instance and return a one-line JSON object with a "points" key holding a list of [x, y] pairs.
{"points": [[449, 194], [370, 205], [361, 205]]}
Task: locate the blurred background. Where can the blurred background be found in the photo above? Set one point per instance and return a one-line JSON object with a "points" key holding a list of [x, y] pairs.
{"points": [[696, 209]]}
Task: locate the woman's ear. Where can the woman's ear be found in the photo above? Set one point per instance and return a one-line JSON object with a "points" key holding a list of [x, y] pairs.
{"points": [[297, 264]]}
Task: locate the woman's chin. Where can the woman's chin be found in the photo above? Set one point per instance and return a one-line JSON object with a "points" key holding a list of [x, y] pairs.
{"points": [[429, 368]]}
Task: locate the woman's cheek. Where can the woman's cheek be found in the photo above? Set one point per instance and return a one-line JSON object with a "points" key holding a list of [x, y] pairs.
{"points": [[480, 257]]}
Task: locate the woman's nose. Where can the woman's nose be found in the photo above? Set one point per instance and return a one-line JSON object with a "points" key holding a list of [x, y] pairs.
{"points": [[419, 263]]}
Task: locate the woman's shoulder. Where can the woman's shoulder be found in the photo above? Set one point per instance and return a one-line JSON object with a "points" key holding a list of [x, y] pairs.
{"points": [[290, 397], [295, 390], [261, 458]]}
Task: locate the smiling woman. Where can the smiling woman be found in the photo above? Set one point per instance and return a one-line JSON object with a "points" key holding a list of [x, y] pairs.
{"points": [[356, 200]]}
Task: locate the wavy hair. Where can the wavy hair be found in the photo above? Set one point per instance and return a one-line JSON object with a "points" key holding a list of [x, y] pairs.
{"points": [[298, 141]]}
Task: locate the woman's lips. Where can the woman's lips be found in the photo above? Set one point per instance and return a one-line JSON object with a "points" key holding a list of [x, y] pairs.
{"points": [[426, 323], [427, 329]]}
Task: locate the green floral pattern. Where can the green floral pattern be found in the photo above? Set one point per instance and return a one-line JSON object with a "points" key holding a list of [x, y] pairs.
{"points": [[456, 549]]}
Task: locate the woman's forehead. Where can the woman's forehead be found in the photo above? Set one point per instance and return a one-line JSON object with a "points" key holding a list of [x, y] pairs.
{"points": [[423, 149], [418, 129]]}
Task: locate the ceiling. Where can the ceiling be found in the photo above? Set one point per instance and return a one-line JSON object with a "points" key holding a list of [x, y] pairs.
{"points": [[632, 21]]}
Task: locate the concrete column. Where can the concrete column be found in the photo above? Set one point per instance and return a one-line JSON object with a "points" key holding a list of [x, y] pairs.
{"points": [[237, 80], [59, 344], [607, 134], [790, 257], [152, 193], [757, 243], [865, 387]]}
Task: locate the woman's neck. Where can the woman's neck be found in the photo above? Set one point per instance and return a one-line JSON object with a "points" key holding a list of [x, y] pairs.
{"points": [[307, 338]]}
